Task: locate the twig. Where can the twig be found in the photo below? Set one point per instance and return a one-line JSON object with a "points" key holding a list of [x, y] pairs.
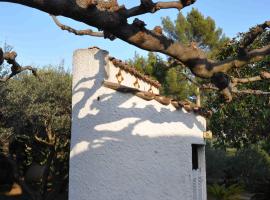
{"points": [[74, 31]]}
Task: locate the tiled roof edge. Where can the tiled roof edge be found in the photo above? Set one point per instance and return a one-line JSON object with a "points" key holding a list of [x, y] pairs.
{"points": [[128, 68], [148, 96]]}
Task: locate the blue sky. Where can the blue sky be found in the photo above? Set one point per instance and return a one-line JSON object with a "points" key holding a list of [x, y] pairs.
{"points": [[38, 41]]}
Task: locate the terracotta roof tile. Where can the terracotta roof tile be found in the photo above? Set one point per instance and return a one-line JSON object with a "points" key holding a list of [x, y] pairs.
{"points": [[148, 96], [130, 69]]}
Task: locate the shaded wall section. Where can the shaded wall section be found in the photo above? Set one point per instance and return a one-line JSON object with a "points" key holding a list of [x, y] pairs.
{"points": [[126, 148]]}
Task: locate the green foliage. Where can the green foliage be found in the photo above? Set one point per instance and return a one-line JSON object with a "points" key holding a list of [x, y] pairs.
{"points": [[28, 108], [138, 62], [252, 167], [176, 84], [249, 167], [245, 120], [27, 103], [242, 122], [216, 164], [173, 81], [265, 145], [197, 28], [152, 65], [220, 192]]}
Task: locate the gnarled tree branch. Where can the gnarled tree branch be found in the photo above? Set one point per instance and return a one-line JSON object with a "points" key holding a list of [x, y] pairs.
{"points": [[116, 23], [262, 76], [149, 6], [250, 36], [74, 31], [113, 20], [16, 68], [255, 55], [227, 92]]}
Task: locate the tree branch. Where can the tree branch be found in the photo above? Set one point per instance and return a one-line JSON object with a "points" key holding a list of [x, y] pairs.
{"points": [[148, 6], [255, 55], [250, 36], [40, 140], [264, 75], [227, 92], [249, 91], [16, 68], [208, 86], [115, 22], [74, 31]]}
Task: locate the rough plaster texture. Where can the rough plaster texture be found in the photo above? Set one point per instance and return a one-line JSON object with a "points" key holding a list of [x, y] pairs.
{"points": [[126, 148]]}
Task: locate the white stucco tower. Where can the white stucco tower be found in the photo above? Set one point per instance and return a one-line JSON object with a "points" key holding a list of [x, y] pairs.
{"points": [[129, 143]]}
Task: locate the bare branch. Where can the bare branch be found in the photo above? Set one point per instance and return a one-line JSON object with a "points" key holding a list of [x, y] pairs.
{"points": [[255, 55], [16, 68], [249, 37], [6, 78], [48, 127], [74, 31], [115, 22], [148, 6], [235, 81], [38, 139], [249, 91], [208, 86], [227, 92], [33, 70], [264, 75], [198, 97]]}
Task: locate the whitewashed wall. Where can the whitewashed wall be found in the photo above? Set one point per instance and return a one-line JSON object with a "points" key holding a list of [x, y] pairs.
{"points": [[126, 148]]}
